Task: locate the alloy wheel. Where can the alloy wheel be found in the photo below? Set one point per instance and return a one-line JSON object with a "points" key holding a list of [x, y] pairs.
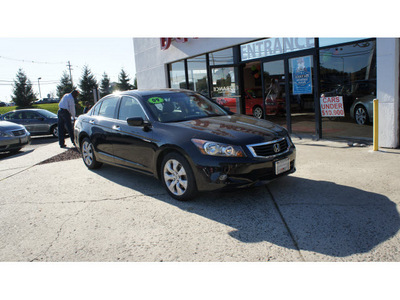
{"points": [[258, 112], [87, 153], [175, 177], [361, 115]]}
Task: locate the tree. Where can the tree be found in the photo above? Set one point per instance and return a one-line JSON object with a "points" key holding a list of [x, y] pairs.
{"points": [[23, 95], [135, 84], [65, 85], [105, 87], [123, 81], [87, 83]]}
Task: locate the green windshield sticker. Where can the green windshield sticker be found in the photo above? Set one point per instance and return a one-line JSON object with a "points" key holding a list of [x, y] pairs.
{"points": [[155, 100]]}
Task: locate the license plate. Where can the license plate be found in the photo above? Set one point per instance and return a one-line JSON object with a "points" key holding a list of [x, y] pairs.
{"points": [[282, 166], [23, 140]]}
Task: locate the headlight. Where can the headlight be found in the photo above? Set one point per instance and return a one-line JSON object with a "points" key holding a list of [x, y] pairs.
{"points": [[218, 149]]}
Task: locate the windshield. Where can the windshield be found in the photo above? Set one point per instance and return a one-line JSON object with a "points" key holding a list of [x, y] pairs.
{"points": [[47, 114], [175, 107]]}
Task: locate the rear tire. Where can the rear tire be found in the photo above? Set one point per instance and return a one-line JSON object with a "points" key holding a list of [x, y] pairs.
{"points": [[88, 155], [54, 131], [177, 177]]}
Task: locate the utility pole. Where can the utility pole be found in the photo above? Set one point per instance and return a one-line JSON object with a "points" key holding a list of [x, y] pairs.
{"points": [[40, 93], [70, 74]]}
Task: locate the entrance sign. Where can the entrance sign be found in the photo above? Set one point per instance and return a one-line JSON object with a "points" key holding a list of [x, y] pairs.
{"points": [[301, 75], [274, 46], [332, 106]]}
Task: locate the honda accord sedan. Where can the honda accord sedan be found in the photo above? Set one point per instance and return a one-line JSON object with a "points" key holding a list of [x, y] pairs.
{"points": [[187, 141], [36, 121], [13, 137]]}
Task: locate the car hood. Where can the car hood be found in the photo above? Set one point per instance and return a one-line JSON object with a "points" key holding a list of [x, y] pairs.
{"points": [[237, 129], [5, 125]]}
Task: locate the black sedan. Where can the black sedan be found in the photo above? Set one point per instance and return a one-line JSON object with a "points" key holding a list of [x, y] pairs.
{"points": [[182, 138], [36, 121]]}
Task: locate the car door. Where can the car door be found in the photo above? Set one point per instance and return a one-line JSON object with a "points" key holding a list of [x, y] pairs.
{"points": [[36, 122], [22, 118], [101, 128], [133, 145]]}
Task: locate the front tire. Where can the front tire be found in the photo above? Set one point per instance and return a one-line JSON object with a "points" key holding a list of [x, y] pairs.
{"points": [[177, 177], [361, 115], [258, 112], [88, 155]]}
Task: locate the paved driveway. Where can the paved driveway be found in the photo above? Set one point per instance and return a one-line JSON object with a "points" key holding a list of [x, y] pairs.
{"points": [[335, 207]]}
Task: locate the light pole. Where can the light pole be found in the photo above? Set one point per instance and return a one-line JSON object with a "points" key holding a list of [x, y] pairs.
{"points": [[40, 94]]}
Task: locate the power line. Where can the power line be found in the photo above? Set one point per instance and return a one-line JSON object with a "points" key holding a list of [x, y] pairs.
{"points": [[32, 61]]}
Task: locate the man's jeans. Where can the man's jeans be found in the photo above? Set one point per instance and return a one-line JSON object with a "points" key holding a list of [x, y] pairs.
{"points": [[64, 120]]}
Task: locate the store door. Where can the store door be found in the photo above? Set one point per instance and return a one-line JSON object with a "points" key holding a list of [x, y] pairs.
{"points": [[289, 93], [301, 87]]}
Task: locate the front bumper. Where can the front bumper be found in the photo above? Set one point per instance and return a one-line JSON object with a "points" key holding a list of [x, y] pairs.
{"points": [[241, 173], [15, 142]]}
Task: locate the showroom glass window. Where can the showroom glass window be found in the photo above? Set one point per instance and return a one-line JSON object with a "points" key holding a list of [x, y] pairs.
{"points": [[197, 73], [348, 71], [223, 57], [177, 75], [225, 89]]}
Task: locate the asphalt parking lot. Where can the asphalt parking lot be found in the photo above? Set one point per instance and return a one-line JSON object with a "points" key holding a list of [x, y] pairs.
{"points": [[341, 205]]}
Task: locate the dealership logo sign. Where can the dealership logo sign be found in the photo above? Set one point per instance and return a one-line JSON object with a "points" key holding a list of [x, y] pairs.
{"points": [[166, 42]]}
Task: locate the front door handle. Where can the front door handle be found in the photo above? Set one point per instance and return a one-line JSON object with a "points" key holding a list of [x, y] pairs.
{"points": [[91, 121], [116, 127]]}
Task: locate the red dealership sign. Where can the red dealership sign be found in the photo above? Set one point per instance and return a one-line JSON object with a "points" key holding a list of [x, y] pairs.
{"points": [[332, 106], [166, 42]]}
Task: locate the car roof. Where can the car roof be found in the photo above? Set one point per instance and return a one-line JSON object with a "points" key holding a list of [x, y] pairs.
{"points": [[150, 92], [26, 109]]}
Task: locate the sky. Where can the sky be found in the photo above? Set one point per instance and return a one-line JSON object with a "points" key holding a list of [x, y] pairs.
{"points": [[47, 58], [41, 38]]}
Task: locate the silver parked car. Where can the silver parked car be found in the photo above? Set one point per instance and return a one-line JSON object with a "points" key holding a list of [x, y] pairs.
{"points": [[13, 137], [362, 110], [36, 121]]}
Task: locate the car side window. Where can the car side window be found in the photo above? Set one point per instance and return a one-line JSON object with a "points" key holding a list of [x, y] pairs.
{"points": [[31, 115], [130, 108], [10, 116], [108, 106], [96, 109]]}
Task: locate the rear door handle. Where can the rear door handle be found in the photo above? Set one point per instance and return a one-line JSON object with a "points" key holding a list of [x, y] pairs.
{"points": [[91, 121]]}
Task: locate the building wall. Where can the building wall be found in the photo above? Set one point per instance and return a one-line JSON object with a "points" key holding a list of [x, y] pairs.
{"points": [[151, 61], [388, 52], [152, 73]]}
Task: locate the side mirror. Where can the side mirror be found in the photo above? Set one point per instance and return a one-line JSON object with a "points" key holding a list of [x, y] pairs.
{"points": [[135, 121], [138, 121]]}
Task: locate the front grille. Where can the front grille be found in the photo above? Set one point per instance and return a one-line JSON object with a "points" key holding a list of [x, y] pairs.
{"points": [[18, 132], [269, 149]]}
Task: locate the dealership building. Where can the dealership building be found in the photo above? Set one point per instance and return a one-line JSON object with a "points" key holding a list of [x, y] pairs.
{"points": [[317, 87]]}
